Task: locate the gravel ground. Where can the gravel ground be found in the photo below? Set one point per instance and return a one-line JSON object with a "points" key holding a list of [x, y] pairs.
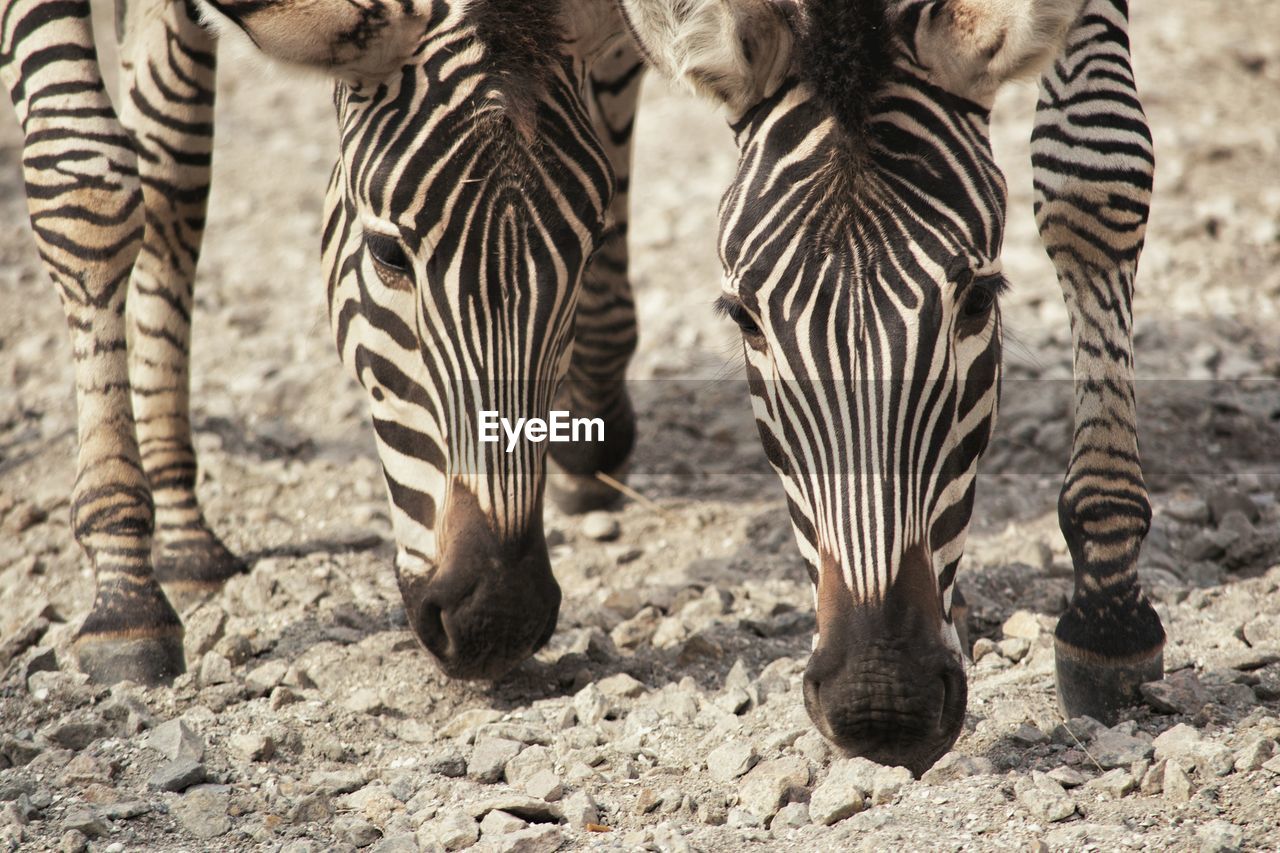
{"points": [[666, 713]]}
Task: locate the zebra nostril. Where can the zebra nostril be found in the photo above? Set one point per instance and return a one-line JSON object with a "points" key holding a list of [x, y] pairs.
{"points": [[432, 632]]}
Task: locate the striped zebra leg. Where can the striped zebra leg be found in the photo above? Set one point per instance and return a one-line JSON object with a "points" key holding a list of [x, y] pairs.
{"points": [[169, 70], [86, 210], [1092, 160], [605, 322]]}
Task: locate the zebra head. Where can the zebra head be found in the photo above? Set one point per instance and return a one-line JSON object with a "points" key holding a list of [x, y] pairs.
{"points": [[860, 241], [469, 194]]}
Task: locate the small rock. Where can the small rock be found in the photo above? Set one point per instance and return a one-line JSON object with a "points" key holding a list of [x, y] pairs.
{"points": [[339, 781], [1014, 648], [1187, 509], [316, 808], [214, 669], [490, 756], [545, 838], [733, 700], [1254, 754], [365, 700], [1076, 731], [712, 810], [87, 822], [1178, 693], [356, 832], [124, 810], [1023, 624], [769, 784], [1067, 777], [1113, 784], [955, 765], [18, 752], [453, 831], [252, 747], [646, 801], [176, 741], [791, 816], [1028, 735], [580, 809], [447, 761], [1220, 836], [838, 797], [77, 734], [1045, 798], [1113, 748], [621, 686], [203, 629], [591, 705], [282, 696], [545, 785], [636, 630], [528, 762], [202, 811], [73, 841], [600, 526], [404, 843], [1272, 765], [265, 678], [177, 775], [731, 760], [813, 746], [1176, 784], [982, 647]]}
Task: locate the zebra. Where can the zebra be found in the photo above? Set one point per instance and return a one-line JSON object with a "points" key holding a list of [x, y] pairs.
{"points": [[860, 241], [474, 253], [475, 257]]}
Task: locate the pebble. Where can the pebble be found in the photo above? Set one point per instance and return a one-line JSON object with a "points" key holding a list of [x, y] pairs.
{"points": [[1188, 509], [1113, 784], [490, 756], [621, 686], [1028, 735], [1254, 754], [1175, 784], [838, 796], [731, 760], [251, 747], [87, 822], [1113, 748], [591, 705], [1023, 624], [546, 785], [1067, 777], [177, 775], [73, 841], [1220, 836], [452, 831], [356, 832], [955, 765], [338, 781], [1188, 745], [1177, 693], [315, 808], [261, 680], [365, 700], [1044, 798], [580, 809], [534, 839], [791, 816], [530, 761], [1223, 501], [768, 785], [1076, 731], [214, 669], [636, 630], [600, 526], [202, 811], [77, 734]]}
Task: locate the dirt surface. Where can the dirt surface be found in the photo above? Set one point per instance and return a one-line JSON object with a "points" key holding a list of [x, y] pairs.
{"points": [[667, 707]]}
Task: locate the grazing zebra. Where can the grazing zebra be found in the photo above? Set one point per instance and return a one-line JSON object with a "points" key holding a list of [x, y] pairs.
{"points": [[861, 245], [475, 256], [474, 250]]}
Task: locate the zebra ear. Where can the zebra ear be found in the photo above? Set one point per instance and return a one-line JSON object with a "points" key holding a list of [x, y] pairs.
{"points": [[347, 38], [735, 51], [972, 47]]}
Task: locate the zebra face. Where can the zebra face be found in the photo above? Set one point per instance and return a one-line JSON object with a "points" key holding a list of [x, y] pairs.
{"points": [[865, 290], [860, 241], [469, 195]]}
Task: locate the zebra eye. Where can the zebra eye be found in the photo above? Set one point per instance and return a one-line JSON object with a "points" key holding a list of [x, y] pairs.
{"points": [[980, 296], [738, 313], [387, 252]]}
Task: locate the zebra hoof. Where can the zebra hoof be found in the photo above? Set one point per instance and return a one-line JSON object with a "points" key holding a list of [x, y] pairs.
{"points": [[575, 494], [149, 660], [1102, 689], [192, 570]]}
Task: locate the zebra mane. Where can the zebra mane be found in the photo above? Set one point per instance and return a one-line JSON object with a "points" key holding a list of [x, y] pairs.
{"points": [[846, 50]]}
